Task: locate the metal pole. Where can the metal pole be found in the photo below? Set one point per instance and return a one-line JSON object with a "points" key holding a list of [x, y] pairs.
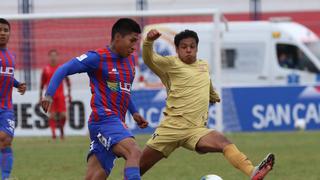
{"points": [[255, 9], [217, 68], [25, 7], [141, 5]]}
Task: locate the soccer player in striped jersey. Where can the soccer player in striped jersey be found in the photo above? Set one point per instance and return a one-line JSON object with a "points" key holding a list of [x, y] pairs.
{"points": [[190, 91], [111, 71], [7, 82], [57, 116]]}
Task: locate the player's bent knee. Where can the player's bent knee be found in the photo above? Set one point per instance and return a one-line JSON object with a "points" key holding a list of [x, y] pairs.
{"points": [[135, 153], [96, 175], [5, 140], [212, 142]]}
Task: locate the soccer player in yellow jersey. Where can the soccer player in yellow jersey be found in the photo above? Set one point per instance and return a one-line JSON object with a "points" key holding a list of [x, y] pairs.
{"points": [[189, 92]]}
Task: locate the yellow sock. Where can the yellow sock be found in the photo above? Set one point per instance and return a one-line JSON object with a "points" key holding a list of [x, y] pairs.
{"points": [[238, 159]]}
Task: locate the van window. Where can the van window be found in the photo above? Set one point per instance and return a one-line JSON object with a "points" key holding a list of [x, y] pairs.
{"points": [[314, 47], [291, 57], [243, 57]]}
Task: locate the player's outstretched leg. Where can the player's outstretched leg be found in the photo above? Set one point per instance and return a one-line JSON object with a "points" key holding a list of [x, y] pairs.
{"points": [[217, 142], [264, 167], [6, 154], [6, 162], [129, 150], [94, 169], [149, 158]]}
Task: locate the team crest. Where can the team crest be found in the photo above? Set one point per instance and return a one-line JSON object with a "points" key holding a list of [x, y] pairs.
{"points": [[202, 68]]}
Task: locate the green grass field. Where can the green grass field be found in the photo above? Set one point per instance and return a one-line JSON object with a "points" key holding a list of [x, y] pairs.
{"points": [[297, 157]]}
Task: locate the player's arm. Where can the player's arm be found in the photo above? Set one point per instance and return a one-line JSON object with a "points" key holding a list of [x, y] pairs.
{"points": [[85, 63], [21, 86], [214, 96], [142, 123], [153, 60], [42, 83], [67, 79]]}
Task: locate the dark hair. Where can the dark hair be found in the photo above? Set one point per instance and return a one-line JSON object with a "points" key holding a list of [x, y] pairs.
{"points": [[185, 34], [52, 51], [4, 21], [125, 26]]}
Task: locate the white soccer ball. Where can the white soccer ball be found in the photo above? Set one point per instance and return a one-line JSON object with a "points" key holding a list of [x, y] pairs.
{"points": [[211, 177], [300, 125]]}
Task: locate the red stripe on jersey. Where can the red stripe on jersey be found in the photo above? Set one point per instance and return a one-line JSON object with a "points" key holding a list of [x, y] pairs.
{"points": [[121, 94], [113, 95], [11, 82], [130, 77], [6, 85], [93, 106], [132, 65], [2, 79], [101, 85]]}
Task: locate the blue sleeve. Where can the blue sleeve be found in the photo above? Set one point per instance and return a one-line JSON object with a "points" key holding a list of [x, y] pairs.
{"points": [[132, 108], [90, 59], [84, 63], [16, 83]]}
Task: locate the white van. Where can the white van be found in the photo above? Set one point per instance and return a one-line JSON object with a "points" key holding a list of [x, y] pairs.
{"points": [[253, 53]]}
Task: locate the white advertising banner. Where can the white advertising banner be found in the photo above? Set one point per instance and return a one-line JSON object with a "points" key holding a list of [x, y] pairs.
{"points": [[32, 121]]}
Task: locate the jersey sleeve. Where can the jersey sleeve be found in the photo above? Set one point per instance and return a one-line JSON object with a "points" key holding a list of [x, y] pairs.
{"points": [[157, 63], [132, 108], [91, 60], [85, 63], [16, 83], [213, 96]]}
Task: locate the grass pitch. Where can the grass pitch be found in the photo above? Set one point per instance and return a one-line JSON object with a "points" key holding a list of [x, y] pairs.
{"points": [[297, 157]]}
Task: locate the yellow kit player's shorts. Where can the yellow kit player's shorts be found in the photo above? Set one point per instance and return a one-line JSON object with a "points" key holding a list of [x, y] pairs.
{"points": [[167, 138]]}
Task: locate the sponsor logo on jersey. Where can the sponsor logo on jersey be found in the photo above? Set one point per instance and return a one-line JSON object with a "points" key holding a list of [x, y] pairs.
{"points": [[119, 86], [8, 71]]}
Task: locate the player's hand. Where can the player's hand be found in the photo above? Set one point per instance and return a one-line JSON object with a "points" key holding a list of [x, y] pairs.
{"points": [[46, 103], [216, 100], [142, 123], [22, 88], [153, 34]]}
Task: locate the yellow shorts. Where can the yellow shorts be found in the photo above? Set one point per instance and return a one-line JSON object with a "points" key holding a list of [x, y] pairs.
{"points": [[167, 139]]}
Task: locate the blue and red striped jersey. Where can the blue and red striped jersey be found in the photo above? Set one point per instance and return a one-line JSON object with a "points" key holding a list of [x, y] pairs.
{"points": [[111, 77], [7, 81]]}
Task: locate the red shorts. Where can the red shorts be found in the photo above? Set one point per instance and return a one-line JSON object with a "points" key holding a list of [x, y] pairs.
{"points": [[58, 104]]}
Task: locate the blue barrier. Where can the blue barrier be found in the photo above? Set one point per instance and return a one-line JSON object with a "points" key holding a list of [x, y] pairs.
{"points": [[244, 109]]}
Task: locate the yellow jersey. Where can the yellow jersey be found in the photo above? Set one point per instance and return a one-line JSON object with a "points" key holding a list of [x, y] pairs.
{"points": [[189, 88]]}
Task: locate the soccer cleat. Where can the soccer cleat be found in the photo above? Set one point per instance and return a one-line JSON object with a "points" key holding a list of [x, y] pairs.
{"points": [[264, 167]]}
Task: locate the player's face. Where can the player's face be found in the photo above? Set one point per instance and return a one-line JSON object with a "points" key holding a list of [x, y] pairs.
{"points": [[187, 50], [53, 57], [4, 35], [126, 45]]}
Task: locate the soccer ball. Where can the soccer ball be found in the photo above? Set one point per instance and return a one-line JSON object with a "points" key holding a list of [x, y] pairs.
{"points": [[211, 177], [300, 125]]}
